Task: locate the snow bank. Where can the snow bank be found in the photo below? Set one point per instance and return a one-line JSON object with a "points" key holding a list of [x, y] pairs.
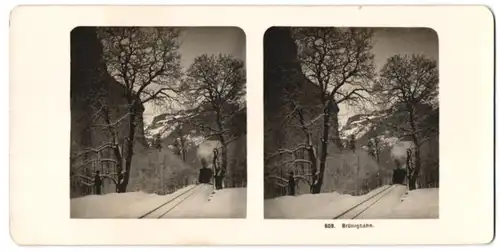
{"points": [[385, 207], [291, 207], [312, 206], [118, 205], [418, 204], [421, 203], [226, 203]]}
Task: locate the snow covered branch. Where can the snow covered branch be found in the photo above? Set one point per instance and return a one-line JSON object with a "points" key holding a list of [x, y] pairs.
{"points": [[295, 161], [287, 151], [89, 181], [110, 177], [115, 123], [97, 114], [284, 182], [313, 121], [95, 150], [304, 178], [291, 163]]}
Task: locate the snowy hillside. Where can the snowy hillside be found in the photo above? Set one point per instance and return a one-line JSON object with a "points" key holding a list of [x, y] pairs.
{"points": [[362, 124], [387, 125], [164, 125], [190, 126]]}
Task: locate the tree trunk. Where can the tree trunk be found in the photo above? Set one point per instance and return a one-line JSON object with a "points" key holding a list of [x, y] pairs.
{"points": [[129, 152], [118, 151], [224, 153], [314, 164], [318, 182], [412, 177], [336, 132], [312, 155], [222, 141], [183, 143]]}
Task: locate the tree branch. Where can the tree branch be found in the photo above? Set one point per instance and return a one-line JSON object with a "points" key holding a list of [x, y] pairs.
{"points": [[350, 94], [115, 123], [287, 151], [96, 150], [156, 94]]}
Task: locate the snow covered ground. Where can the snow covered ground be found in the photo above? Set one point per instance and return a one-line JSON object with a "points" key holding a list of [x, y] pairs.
{"points": [[226, 203], [421, 203], [418, 204]]}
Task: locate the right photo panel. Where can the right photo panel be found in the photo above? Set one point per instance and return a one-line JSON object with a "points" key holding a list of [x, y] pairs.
{"points": [[351, 123]]}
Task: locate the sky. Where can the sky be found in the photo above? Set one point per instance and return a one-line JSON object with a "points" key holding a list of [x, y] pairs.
{"points": [[386, 43], [390, 41], [199, 40]]}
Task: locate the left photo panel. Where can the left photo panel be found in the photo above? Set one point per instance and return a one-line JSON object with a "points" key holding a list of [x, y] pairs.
{"points": [[158, 122]]}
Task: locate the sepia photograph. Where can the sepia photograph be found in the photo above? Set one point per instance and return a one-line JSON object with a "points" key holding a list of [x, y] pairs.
{"points": [[158, 122], [351, 123], [369, 124]]}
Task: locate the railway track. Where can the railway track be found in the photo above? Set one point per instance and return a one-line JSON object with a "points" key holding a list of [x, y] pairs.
{"points": [[163, 209], [359, 208]]}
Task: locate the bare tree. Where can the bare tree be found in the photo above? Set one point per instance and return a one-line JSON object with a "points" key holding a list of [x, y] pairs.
{"points": [[340, 63], [102, 118], [406, 83], [297, 117], [302, 121], [147, 63], [215, 88]]}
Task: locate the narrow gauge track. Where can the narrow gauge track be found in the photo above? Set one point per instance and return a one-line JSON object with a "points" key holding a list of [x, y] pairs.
{"points": [[169, 205], [359, 208]]}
